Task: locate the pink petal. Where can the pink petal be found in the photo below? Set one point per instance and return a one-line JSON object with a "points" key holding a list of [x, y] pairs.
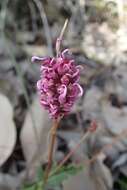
{"points": [[80, 89], [65, 80], [80, 67], [45, 104], [39, 85], [64, 52], [67, 107], [44, 69], [52, 61], [36, 58], [71, 61], [65, 68], [76, 73], [75, 91], [53, 109], [63, 93]]}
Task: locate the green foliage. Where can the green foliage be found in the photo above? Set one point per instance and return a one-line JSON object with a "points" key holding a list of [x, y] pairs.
{"points": [[55, 179], [63, 174], [40, 174], [123, 183]]}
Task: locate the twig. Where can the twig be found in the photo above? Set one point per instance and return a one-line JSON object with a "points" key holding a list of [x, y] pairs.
{"points": [[90, 161], [93, 126], [72, 151]]}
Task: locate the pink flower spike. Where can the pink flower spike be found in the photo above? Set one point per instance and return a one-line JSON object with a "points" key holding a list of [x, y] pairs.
{"points": [[58, 86]]}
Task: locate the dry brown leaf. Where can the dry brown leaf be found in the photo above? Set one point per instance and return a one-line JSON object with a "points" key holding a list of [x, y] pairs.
{"points": [[28, 137], [115, 118], [7, 129]]}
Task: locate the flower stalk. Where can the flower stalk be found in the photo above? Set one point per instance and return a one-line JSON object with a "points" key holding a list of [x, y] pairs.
{"points": [[51, 149]]}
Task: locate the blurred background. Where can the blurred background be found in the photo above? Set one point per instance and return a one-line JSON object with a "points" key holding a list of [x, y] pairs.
{"points": [[97, 36]]}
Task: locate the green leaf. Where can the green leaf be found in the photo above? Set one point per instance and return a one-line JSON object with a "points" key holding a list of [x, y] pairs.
{"points": [[31, 187], [38, 184], [40, 174], [123, 184], [55, 179], [63, 174]]}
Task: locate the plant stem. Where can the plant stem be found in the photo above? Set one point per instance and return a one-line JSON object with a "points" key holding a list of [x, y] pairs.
{"points": [[51, 149], [58, 42]]}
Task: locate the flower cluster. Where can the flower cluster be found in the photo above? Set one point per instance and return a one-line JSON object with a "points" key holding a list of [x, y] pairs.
{"points": [[58, 86]]}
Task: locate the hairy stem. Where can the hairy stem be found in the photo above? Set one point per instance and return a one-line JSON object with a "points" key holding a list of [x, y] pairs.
{"points": [[51, 149]]}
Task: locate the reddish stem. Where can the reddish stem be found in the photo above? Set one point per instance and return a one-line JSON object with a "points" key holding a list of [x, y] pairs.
{"points": [[51, 149]]}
